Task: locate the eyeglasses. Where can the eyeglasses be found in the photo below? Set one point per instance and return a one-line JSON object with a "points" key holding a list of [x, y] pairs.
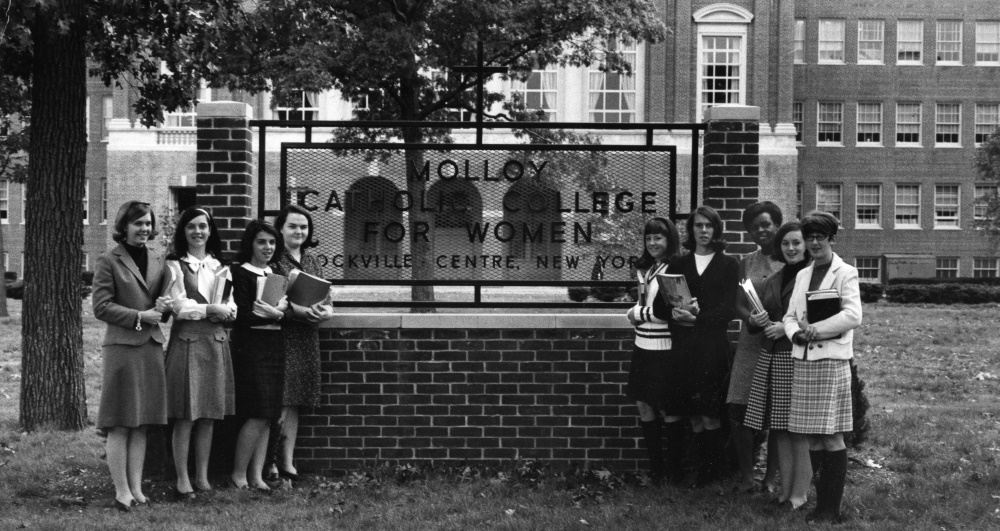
{"points": [[816, 238]]}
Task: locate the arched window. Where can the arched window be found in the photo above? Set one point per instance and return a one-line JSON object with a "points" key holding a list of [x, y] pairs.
{"points": [[370, 200], [458, 205], [530, 208]]}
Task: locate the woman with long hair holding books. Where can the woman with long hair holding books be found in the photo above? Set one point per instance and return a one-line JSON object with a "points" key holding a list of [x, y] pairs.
{"points": [[760, 221], [822, 337], [302, 369], [258, 351], [699, 332], [652, 360], [127, 280], [771, 390], [199, 367]]}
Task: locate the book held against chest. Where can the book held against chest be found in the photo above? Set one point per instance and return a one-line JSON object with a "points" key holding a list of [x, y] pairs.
{"points": [[674, 289], [821, 305], [271, 289], [305, 289]]}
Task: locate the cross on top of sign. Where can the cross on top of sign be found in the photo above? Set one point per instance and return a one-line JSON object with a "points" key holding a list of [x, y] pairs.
{"points": [[480, 70]]}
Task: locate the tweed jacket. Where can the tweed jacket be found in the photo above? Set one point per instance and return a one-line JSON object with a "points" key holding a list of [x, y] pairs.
{"points": [[120, 293], [843, 278], [775, 301]]}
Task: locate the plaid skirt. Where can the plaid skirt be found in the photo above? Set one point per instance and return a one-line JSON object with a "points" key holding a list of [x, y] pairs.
{"points": [[770, 392], [821, 397]]}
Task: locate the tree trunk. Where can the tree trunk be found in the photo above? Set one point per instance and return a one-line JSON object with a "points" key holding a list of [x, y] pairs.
{"points": [[423, 264], [52, 377]]}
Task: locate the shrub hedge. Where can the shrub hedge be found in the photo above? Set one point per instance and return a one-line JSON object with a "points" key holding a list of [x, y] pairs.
{"points": [[950, 293]]}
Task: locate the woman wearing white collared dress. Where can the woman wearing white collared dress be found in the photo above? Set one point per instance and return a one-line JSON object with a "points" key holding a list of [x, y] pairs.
{"points": [[198, 364], [821, 384]]}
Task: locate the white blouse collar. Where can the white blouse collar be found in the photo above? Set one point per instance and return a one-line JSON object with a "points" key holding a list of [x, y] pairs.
{"points": [[253, 269]]}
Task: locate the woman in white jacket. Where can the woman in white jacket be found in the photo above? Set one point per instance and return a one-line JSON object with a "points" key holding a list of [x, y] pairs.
{"points": [[821, 385]]}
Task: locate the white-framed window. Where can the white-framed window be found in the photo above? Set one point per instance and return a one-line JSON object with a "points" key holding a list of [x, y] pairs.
{"points": [[831, 41], [946, 267], [868, 201], [980, 208], [908, 124], [828, 199], [909, 42], [946, 206], [908, 206], [871, 42], [4, 201], [949, 42], [797, 117], [948, 124], [107, 113], [306, 108], [870, 124], [987, 120], [799, 42], [180, 118], [721, 71], [540, 91], [85, 263], [86, 202], [613, 96], [104, 201], [984, 267], [869, 268], [988, 43], [830, 123], [799, 191]]}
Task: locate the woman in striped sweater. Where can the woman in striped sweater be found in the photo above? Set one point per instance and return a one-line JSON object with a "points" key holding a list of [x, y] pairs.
{"points": [[651, 357]]}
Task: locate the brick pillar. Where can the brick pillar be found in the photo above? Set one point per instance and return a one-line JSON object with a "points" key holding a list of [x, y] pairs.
{"points": [[732, 168], [225, 167]]}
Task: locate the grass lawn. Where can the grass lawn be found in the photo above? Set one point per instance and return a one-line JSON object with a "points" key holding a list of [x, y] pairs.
{"points": [[934, 451]]}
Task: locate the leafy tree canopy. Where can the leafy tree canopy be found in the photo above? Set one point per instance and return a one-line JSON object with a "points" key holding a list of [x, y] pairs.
{"points": [[987, 164]]}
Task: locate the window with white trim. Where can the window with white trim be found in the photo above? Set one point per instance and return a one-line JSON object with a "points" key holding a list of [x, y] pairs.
{"points": [[540, 91], [984, 267], [613, 95], [868, 201], [946, 205], [797, 117], [871, 42], [908, 124], [104, 201], [909, 42], [946, 267], [987, 120], [185, 117], [829, 123], [828, 199], [305, 108], [85, 264], [869, 268], [907, 206], [870, 124], [988, 43], [721, 71], [831, 41], [983, 194], [107, 113], [86, 202], [799, 42], [949, 42], [948, 124], [798, 199], [4, 201]]}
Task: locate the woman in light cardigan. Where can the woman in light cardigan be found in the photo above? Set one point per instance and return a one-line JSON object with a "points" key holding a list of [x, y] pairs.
{"points": [[821, 385]]}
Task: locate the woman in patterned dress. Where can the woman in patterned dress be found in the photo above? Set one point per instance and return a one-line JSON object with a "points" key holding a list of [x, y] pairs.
{"points": [[199, 367], [771, 390], [821, 406], [301, 335], [760, 220]]}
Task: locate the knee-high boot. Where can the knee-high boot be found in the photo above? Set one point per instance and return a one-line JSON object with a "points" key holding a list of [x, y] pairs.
{"points": [[652, 432], [816, 459], [675, 451]]}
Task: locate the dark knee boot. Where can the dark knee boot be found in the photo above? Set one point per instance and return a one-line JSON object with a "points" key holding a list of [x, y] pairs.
{"points": [[711, 448], [834, 478], [675, 451], [816, 458], [652, 432]]}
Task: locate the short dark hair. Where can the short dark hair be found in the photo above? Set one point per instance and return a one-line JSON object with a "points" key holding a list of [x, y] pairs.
{"points": [[180, 244], [246, 241], [757, 209], [129, 212], [791, 226], [718, 244], [658, 226], [279, 222], [819, 222]]}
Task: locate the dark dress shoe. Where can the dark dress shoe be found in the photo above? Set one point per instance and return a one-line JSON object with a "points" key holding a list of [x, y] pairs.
{"points": [[123, 507], [183, 496], [233, 484], [287, 475]]}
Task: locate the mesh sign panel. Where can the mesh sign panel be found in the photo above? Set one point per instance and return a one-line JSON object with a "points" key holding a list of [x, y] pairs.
{"points": [[479, 212]]}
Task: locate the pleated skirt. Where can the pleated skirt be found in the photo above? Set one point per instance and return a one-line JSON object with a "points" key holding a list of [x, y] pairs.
{"points": [[771, 391], [821, 397], [199, 371]]}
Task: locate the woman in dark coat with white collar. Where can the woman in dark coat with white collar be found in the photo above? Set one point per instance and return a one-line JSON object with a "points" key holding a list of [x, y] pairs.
{"points": [[700, 333], [127, 280]]}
